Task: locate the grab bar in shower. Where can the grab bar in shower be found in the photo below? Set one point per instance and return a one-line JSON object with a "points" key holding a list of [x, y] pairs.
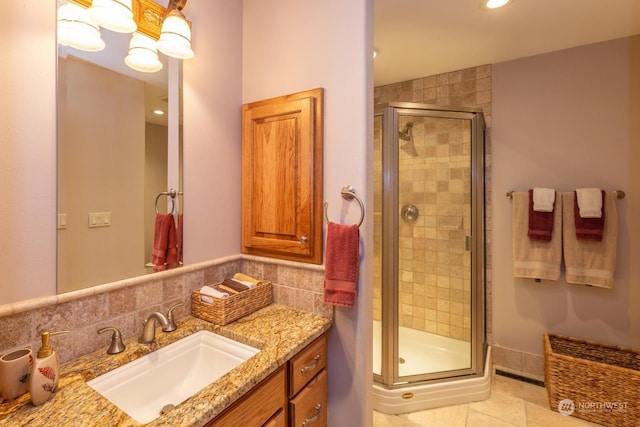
{"points": [[348, 193]]}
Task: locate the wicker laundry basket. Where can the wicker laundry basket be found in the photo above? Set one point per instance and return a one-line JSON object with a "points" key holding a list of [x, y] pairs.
{"points": [[593, 381], [225, 310]]}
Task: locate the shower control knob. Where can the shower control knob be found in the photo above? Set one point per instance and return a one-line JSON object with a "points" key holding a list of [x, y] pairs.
{"points": [[409, 213]]}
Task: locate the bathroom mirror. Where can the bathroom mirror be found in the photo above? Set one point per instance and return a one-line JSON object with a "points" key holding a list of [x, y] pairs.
{"points": [[115, 156]]}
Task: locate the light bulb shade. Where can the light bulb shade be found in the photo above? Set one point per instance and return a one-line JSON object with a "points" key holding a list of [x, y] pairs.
{"points": [[175, 36], [143, 55], [494, 4], [76, 29], [114, 15]]}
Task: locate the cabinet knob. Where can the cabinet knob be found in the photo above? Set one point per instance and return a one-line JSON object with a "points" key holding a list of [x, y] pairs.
{"points": [[303, 240]]}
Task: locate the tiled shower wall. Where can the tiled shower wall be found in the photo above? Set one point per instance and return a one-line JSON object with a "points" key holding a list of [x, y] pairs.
{"points": [[434, 267], [127, 303]]}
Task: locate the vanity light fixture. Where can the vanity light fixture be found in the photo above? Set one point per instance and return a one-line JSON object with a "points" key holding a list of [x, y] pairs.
{"points": [[158, 112], [114, 15], [153, 26], [494, 4], [77, 29], [143, 55], [175, 36]]}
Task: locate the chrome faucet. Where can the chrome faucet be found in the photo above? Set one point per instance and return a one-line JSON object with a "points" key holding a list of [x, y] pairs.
{"points": [[148, 334]]}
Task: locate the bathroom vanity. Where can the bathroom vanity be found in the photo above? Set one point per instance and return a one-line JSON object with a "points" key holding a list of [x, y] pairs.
{"points": [[298, 389], [285, 381]]}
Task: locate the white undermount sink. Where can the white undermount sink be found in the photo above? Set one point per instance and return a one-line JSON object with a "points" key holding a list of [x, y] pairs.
{"points": [[160, 380]]}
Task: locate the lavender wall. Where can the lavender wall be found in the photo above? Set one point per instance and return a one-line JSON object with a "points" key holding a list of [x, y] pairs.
{"points": [[293, 45], [566, 120]]}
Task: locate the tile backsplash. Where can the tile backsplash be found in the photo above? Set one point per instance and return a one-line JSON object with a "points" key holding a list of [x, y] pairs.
{"points": [[125, 304]]}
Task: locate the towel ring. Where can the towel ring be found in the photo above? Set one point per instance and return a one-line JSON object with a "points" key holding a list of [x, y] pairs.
{"points": [[348, 193], [171, 193]]}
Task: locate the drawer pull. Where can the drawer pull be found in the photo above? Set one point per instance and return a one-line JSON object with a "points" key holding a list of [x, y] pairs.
{"points": [[313, 419], [316, 359]]}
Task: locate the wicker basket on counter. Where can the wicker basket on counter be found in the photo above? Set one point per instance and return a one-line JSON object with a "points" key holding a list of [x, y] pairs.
{"points": [[593, 381], [225, 310]]}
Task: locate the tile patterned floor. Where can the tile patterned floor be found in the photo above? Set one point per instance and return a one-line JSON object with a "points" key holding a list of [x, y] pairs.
{"points": [[512, 403]]}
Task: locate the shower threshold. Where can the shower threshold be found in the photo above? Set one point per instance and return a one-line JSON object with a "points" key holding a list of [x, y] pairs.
{"points": [[420, 397]]}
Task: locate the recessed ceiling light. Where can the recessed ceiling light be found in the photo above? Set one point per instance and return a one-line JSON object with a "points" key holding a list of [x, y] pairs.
{"points": [[494, 4], [158, 112]]}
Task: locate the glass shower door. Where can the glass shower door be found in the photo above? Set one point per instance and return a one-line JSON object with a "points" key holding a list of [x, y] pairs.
{"points": [[424, 245]]}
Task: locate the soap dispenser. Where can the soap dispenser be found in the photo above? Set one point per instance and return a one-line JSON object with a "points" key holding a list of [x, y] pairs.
{"points": [[44, 375]]}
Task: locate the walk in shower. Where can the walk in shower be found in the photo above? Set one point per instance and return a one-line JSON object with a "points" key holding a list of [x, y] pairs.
{"points": [[429, 258]]}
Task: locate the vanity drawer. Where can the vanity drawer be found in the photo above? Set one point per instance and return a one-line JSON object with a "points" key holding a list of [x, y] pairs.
{"points": [[309, 407], [307, 364], [259, 406], [278, 420]]}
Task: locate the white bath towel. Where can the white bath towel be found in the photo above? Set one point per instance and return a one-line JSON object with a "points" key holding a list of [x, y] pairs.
{"points": [[590, 262], [590, 202], [534, 259], [543, 199], [212, 292]]}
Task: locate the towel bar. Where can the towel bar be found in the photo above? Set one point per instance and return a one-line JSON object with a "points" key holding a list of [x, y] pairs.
{"points": [[619, 194], [171, 193], [348, 193]]}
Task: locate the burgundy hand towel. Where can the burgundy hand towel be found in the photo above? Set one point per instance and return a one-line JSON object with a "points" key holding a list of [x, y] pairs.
{"points": [[588, 228], [179, 237], [172, 246], [341, 264], [540, 223], [164, 243]]}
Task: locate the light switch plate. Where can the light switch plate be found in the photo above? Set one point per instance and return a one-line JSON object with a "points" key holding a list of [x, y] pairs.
{"points": [[99, 219], [62, 221]]}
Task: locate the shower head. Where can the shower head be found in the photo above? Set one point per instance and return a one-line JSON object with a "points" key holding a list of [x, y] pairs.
{"points": [[405, 134]]}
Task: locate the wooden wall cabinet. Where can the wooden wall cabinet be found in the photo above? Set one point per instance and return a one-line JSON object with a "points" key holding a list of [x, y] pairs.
{"points": [[282, 166]]}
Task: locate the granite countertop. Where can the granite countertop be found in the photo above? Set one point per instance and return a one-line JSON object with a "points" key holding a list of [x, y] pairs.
{"points": [[279, 332]]}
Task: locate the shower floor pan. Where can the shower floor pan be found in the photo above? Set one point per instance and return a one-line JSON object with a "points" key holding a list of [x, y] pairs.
{"points": [[421, 397]]}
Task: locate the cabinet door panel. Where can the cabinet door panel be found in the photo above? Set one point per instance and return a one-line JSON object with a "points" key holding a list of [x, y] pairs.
{"points": [[280, 200], [278, 420], [258, 407], [282, 177]]}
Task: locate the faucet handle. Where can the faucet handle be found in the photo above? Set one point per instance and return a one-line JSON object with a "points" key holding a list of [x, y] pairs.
{"points": [[117, 346], [170, 319]]}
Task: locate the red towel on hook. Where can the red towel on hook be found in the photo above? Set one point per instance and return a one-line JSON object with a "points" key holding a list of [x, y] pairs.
{"points": [[341, 264], [540, 223], [164, 243], [179, 237], [588, 228]]}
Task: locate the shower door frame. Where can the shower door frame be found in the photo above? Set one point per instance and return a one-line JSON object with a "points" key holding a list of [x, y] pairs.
{"points": [[389, 370]]}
